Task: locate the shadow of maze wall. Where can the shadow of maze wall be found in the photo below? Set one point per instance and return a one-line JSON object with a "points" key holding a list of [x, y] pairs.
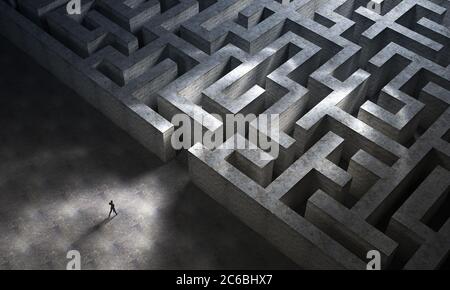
{"points": [[363, 100]]}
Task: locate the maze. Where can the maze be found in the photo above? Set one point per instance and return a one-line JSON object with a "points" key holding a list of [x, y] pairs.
{"points": [[363, 98]]}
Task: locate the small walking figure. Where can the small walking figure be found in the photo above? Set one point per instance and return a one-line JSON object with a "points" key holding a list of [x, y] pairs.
{"points": [[113, 208]]}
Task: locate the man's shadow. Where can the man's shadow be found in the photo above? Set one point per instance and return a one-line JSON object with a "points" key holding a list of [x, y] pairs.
{"points": [[92, 231]]}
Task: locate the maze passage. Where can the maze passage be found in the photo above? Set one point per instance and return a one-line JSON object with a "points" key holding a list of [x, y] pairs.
{"points": [[362, 92]]}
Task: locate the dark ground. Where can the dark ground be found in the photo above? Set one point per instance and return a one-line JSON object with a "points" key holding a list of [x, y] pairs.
{"points": [[61, 161]]}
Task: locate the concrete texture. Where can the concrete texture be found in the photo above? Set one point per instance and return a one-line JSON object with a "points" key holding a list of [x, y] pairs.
{"points": [[61, 163], [363, 99]]}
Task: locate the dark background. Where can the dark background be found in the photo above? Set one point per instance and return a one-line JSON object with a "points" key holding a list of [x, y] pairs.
{"points": [[61, 161]]}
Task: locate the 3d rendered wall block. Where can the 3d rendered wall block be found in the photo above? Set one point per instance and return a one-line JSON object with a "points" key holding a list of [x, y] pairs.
{"points": [[363, 97]]}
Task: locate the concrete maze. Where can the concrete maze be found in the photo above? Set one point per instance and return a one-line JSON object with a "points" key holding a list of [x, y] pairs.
{"points": [[363, 98]]}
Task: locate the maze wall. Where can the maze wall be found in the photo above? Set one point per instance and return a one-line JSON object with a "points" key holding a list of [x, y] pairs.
{"points": [[363, 99]]}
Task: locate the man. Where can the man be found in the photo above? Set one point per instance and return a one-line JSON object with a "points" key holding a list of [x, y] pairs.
{"points": [[113, 208]]}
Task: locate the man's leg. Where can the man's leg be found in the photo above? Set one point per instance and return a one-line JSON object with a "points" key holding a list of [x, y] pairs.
{"points": [[110, 211]]}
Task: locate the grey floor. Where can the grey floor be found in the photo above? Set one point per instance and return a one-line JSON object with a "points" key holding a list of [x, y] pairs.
{"points": [[61, 161]]}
